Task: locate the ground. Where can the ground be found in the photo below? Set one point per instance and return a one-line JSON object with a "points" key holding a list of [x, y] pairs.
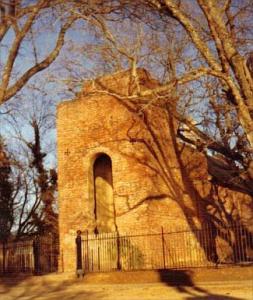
{"points": [[228, 284]]}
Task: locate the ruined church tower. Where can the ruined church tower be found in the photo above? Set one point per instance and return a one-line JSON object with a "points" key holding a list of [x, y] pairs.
{"points": [[121, 169], [109, 179]]}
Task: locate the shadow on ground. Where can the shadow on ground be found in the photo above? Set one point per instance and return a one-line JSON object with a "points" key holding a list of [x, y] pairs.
{"points": [[182, 281], [30, 289]]}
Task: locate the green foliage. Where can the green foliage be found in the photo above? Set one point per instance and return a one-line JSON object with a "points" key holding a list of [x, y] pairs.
{"points": [[45, 219], [6, 194]]}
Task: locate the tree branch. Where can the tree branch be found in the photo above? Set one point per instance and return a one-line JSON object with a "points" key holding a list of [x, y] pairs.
{"points": [[42, 65]]}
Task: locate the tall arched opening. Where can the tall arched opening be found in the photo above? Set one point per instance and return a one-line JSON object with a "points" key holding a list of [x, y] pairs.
{"points": [[103, 194]]}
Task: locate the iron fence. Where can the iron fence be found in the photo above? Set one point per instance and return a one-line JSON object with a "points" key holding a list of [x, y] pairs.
{"points": [[37, 255], [208, 246]]}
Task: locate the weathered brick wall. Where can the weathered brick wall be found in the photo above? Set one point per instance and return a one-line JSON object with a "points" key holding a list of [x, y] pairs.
{"points": [[151, 185]]}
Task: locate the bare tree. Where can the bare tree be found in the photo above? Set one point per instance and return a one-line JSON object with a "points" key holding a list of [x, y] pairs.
{"points": [[20, 21], [213, 31], [34, 176], [211, 81]]}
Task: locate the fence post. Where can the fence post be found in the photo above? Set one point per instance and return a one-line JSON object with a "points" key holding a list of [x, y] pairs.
{"points": [[79, 267], [36, 255], [4, 256], [87, 264], [118, 251], [163, 246]]}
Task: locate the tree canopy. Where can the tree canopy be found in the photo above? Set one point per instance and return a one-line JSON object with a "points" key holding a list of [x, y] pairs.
{"points": [[200, 50]]}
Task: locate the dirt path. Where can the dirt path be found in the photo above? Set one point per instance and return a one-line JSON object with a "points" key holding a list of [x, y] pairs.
{"points": [[217, 285], [79, 291]]}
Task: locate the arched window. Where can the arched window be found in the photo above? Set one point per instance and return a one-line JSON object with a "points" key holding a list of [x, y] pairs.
{"points": [[103, 194]]}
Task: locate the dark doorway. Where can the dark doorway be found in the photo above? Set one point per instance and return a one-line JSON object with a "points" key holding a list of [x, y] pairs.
{"points": [[103, 194]]}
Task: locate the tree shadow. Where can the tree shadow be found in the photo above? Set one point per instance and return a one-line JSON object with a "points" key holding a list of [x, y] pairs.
{"points": [[8, 281], [153, 130], [214, 226], [223, 226], [49, 289], [182, 281], [217, 221]]}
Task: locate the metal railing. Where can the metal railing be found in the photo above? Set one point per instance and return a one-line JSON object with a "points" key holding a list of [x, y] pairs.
{"points": [[37, 255], [208, 246]]}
